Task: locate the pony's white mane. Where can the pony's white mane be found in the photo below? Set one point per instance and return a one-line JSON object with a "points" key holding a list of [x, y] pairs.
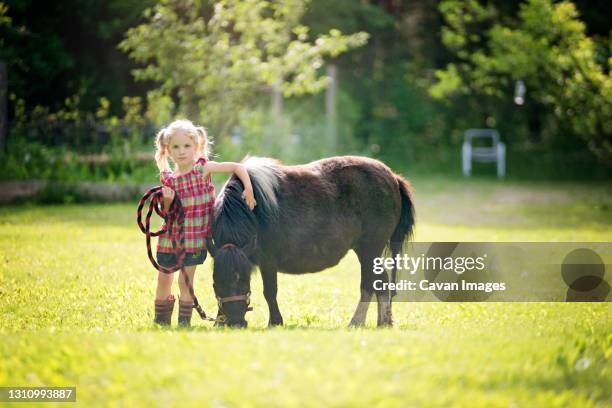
{"points": [[266, 175]]}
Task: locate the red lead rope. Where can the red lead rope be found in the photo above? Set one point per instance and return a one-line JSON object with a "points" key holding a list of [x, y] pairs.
{"points": [[174, 214]]}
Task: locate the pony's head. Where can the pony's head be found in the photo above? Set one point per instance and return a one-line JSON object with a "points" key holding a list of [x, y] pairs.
{"points": [[234, 243], [232, 281]]}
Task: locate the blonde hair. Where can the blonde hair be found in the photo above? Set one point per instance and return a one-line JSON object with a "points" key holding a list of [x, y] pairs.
{"points": [[197, 134]]}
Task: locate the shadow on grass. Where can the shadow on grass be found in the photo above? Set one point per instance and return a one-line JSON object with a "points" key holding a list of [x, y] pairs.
{"points": [[275, 329]]}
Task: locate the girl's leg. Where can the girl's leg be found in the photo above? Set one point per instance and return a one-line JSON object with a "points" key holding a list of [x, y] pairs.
{"points": [[164, 301], [164, 285], [185, 299], [185, 296]]}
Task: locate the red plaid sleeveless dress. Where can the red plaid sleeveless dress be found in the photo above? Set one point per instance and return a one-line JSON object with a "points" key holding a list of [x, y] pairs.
{"points": [[197, 195]]}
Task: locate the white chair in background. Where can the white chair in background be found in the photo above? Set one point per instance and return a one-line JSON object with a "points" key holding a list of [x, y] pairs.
{"points": [[495, 152]]}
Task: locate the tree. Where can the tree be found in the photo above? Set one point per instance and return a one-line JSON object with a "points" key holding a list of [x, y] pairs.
{"points": [[211, 59], [566, 71], [56, 50]]}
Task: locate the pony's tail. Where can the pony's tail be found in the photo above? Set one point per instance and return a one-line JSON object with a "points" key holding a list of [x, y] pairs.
{"points": [[405, 226]]}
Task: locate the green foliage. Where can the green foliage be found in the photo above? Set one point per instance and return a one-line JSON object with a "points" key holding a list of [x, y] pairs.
{"points": [[69, 47], [565, 70], [59, 193], [217, 64], [218, 58], [31, 160], [299, 135], [5, 20], [70, 145]]}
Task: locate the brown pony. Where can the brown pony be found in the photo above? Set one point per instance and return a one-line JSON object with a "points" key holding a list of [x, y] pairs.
{"points": [[306, 219]]}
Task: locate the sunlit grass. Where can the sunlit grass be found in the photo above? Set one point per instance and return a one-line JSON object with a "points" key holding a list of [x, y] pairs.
{"points": [[76, 293]]}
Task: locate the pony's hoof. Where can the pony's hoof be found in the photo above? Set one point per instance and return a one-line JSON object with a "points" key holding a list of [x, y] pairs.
{"points": [[385, 323], [355, 325], [275, 323]]}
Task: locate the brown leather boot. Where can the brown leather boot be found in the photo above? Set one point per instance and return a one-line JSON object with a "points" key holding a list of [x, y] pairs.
{"points": [[163, 310], [185, 311]]}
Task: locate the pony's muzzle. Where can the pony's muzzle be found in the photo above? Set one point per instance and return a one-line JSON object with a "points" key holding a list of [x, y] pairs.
{"points": [[239, 325]]}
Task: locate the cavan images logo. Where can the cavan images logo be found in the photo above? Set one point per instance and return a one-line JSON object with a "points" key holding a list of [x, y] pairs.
{"points": [[476, 285], [497, 271], [453, 272]]}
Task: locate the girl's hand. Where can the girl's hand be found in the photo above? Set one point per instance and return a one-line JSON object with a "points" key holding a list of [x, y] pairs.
{"points": [[168, 193], [168, 196], [248, 196]]}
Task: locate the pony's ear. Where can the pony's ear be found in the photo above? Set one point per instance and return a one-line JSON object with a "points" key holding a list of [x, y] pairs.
{"points": [[210, 245]]}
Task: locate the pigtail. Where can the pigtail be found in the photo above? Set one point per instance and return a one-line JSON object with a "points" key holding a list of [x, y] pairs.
{"points": [[203, 142], [161, 151]]}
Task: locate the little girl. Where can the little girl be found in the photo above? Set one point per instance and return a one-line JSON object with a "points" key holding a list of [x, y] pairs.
{"points": [[187, 147]]}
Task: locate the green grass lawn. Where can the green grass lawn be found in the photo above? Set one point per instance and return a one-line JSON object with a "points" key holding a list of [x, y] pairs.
{"points": [[76, 295]]}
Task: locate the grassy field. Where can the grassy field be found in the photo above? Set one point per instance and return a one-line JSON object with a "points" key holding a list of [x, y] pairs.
{"points": [[76, 294]]}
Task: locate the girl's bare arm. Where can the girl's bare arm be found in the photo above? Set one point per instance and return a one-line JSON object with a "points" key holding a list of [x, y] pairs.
{"points": [[239, 170]]}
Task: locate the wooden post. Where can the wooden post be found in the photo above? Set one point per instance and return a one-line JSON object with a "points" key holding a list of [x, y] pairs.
{"points": [[272, 137], [3, 99], [330, 107]]}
